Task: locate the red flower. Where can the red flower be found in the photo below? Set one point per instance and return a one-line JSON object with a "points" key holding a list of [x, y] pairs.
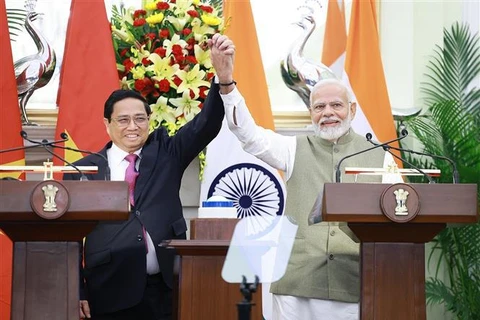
{"points": [[207, 9], [164, 33], [150, 36], [128, 64], [193, 13], [191, 59], [186, 31], [161, 52], [162, 6], [192, 94], [139, 13], [144, 86], [177, 80], [123, 52], [202, 93], [164, 85], [139, 22], [180, 59], [146, 62], [210, 75], [177, 50]]}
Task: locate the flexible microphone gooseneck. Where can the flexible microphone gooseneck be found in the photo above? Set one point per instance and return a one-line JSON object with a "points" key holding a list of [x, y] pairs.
{"points": [[45, 144], [338, 173], [455, 175], [64, 135], [37, 143], [387, 149]]}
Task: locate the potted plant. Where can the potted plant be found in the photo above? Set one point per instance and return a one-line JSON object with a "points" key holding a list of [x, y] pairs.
{"points": [[451, 127]]}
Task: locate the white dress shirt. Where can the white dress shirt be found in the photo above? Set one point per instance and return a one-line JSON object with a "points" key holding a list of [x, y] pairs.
{"points": [[118, 165]]}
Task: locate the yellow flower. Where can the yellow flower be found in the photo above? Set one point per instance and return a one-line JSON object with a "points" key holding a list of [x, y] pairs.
{"points": [[162, 111], [139, 54], [187, 106], [192, 80], [151, 6], [182, 6], [123, 35], [196, 2], [200, 30], [178, 23], [211, 20], [162, 68], [203, 57], [138, 72], [155, 18], [126, 84]]}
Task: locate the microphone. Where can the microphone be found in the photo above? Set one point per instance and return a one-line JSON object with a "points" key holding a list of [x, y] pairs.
{"points": [[387, 149], [338, 173], [63, 135], [455, 175], [45, 144]]}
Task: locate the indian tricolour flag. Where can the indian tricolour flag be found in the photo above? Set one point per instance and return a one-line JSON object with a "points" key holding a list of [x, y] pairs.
{"points": [[357, 61], [256, 189]]}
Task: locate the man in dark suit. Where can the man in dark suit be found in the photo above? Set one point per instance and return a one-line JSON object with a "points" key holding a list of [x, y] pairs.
{"points": [[126, 274]]}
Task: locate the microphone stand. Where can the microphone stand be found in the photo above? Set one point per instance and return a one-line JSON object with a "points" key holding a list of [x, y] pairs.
{"points": [[45, 144], [456, 176], [107, 168], [338, 172], [244, 307], [387, 149], [36, 144]]}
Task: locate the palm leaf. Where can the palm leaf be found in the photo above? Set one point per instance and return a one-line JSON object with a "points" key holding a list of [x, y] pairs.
{"points": [[451, 127]]}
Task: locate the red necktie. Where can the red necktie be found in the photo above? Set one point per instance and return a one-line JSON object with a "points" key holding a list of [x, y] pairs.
{"points": [[131, 175]]}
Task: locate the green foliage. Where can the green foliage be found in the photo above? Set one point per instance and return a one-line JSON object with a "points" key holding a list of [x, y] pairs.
{"points": [[451, 127]]}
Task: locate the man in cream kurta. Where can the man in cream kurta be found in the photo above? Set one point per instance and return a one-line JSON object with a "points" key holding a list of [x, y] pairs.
{"points": [[322, 277]]}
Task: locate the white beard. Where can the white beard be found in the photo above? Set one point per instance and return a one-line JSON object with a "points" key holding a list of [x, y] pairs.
{"points": [[332, 133]]}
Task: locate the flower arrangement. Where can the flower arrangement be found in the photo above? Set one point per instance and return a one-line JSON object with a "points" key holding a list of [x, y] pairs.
{"points": [[161, 52]]}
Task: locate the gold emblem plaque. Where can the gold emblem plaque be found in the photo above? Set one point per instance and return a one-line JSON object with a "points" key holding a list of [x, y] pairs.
{"points": [[50, 199], [400, 202]]}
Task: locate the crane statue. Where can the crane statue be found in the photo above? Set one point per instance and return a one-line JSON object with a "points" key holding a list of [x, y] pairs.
{"points": [[34, 71], [299, 73]]}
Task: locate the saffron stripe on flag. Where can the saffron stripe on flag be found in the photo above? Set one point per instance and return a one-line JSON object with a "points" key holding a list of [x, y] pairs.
{"points": [[251, 81]]}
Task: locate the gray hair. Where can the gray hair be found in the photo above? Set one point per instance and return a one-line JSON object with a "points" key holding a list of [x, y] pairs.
{"points": [[330, 81]]}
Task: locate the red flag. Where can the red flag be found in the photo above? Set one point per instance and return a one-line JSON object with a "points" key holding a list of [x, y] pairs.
{"points": [[10, 128], [87, 78]]}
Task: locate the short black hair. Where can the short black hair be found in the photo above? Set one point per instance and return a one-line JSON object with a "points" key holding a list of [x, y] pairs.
{"points": [[119, 95]]}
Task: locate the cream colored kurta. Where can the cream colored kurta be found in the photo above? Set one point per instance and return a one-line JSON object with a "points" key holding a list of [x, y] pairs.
{"points": [[324, 262]]}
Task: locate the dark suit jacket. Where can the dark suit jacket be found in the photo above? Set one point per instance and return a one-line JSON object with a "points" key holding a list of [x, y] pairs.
{"points": [[115, 263]]}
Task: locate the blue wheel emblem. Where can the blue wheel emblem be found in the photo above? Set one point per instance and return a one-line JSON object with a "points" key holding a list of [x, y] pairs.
{"points": [[254, 190]]}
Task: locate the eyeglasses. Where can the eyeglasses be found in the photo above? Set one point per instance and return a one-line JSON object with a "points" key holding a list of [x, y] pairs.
{"points": [[335, 105], [123, 122]]}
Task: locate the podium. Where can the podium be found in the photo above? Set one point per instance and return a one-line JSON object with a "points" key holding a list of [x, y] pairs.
{"points": [[393, 222], [46, 221], [199, 290]]}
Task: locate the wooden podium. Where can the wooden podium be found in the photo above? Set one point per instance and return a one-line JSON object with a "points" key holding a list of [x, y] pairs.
{"points": [[393, 222], [46, 220], [199, 290]]}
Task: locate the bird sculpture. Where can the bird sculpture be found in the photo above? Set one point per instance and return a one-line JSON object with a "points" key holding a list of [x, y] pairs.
{"points": [[298, 73], [34, 71]]}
